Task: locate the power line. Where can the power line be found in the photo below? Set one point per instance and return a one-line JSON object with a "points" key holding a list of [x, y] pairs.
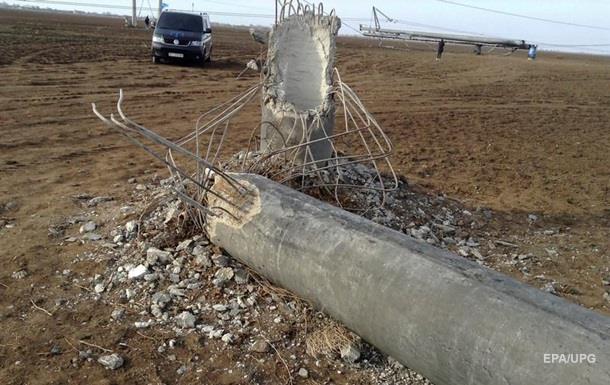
{"points": [[575, 45], [116, 6], [524, 16], [213, 13], [436, 27]]}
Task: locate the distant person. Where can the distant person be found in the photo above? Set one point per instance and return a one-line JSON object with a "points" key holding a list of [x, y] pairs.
{"points": [[531, 52], [147, 22], [440, 49]]}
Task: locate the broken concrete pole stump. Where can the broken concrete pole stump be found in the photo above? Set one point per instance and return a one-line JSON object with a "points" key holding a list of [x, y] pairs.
{"points": [[448, 318], [298, 106]]}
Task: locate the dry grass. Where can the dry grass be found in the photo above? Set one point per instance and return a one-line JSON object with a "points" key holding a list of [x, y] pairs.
{"points": [[330, 340]]}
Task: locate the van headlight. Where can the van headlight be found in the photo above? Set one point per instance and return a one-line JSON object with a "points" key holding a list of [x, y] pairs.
{"points": [[197, 42], [157, 39]]}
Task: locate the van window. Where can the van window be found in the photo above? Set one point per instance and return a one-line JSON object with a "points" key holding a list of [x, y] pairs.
{"points": [[180, 22]]}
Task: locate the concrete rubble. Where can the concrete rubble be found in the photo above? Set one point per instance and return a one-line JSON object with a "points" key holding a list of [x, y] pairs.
{"points": [[228, 302], [112, 361], [236, 306]]}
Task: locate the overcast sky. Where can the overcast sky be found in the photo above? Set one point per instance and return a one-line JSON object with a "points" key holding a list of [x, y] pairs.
{"points": [[427, 15]]}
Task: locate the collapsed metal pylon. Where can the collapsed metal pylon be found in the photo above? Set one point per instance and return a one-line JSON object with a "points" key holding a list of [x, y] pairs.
{"points": [[288, 149]]}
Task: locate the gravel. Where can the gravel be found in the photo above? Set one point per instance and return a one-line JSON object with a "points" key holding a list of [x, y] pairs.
{"points": [[88, 227], [111, 361], [185, 320], [137, 272], [303, 373]]}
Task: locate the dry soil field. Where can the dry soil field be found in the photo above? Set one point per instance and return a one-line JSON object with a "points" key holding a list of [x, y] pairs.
{"points": [[494, 132]]}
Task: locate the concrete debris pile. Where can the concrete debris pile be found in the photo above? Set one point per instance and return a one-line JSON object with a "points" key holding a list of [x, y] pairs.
{"points": [[434, 219], [162, 277]]}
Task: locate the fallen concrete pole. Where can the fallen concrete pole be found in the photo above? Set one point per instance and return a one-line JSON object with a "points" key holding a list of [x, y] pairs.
{"points": [[449, 319]]}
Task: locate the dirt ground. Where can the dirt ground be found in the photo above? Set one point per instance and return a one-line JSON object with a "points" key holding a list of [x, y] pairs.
{"points": [[494, 132]]}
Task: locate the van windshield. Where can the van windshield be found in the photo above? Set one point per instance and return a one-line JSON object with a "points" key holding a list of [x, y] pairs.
{"points": [[181, 22]]}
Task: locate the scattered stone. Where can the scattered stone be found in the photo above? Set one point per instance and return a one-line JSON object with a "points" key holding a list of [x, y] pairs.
{"points": [[221, 260], [117, 314], [446, 229], [99, 288], [97, 200], [137, 272], [219, 308], [303, 373], [131, 227], [119, 238], [112, 361], [176, 292], [477, 254], [142, 324], [203, 260], [130, 293], [216, 333], [54, 231], [19, 274], [551, 252], [349, 353], [549, 287], [84, 354], [507, 244], [227, 338], [241, 276], [55, 350], [184, 245], [185, 320], [225, 274], [88, 227], [10, 206], [92, 237], [200, 250], [154, 255], [259, 346]]}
